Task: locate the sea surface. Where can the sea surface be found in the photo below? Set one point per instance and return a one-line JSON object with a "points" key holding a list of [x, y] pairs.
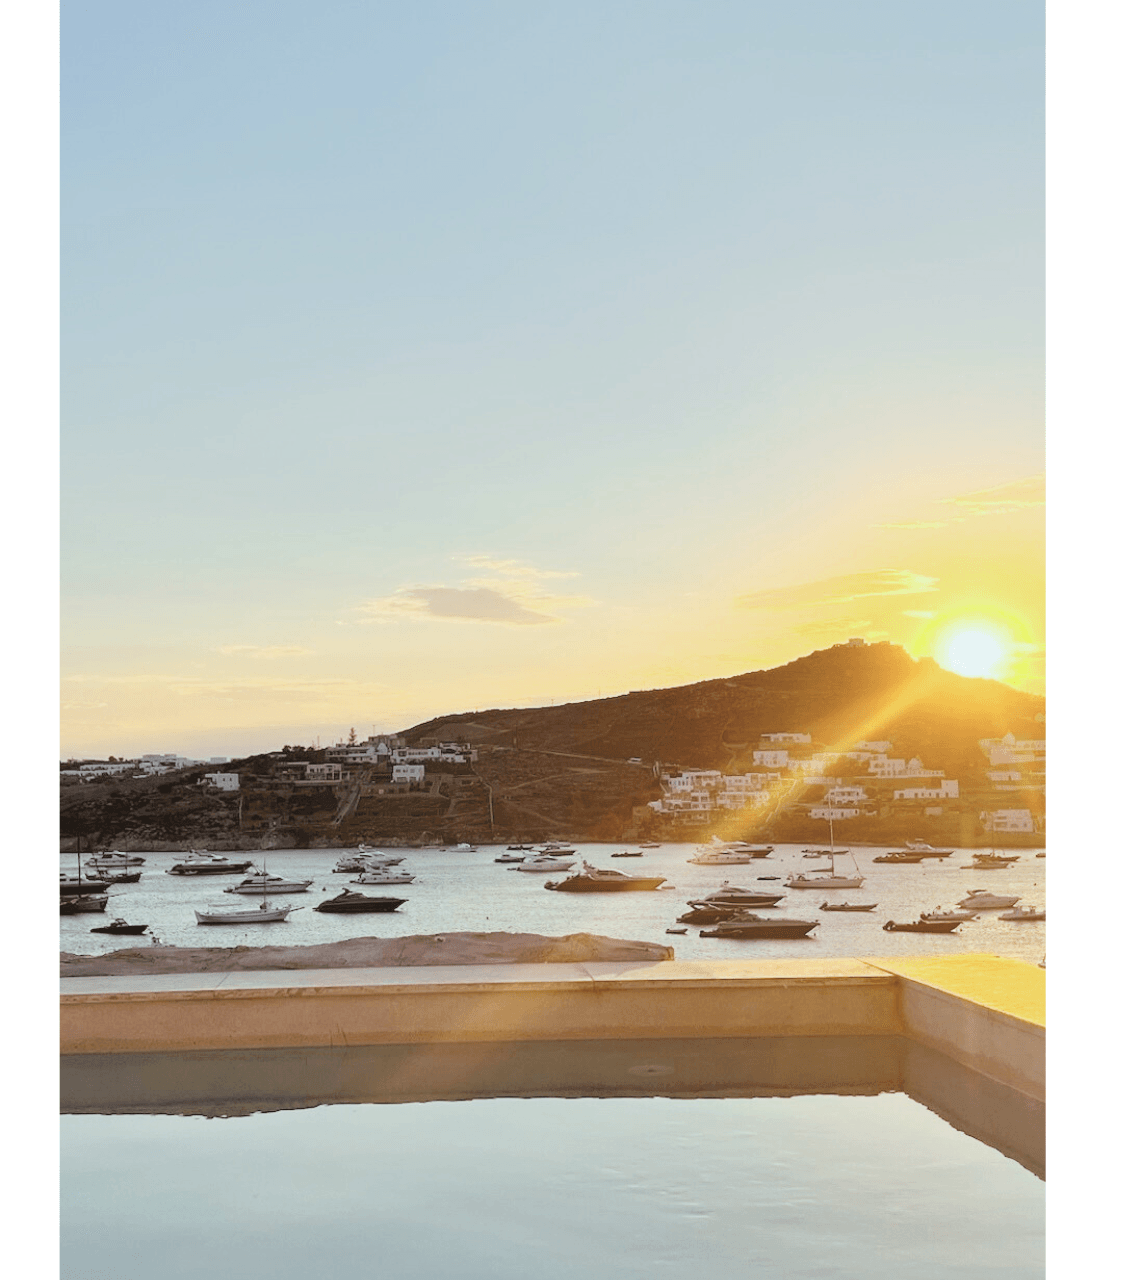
{"points": [[460, 890]]}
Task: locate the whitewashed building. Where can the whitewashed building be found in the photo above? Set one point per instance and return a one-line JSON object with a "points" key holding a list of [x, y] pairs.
{"points": [[771, 759], [997, 820], [948, 789], [407, 773]]}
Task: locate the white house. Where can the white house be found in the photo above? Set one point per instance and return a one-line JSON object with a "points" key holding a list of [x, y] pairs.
{"points": [[947, 790], [886, 766], [324, 773], [877, 748], [223, 781], [777, 738], [845, 795], [1007, 820], [771, 759], [831, 813], [407, 773]]}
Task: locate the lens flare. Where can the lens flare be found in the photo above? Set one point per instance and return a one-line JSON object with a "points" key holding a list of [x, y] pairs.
{"points": [[973, 649]]}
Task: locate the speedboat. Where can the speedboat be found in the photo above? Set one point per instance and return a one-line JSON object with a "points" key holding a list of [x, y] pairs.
{"points": [[731, 895], [545, 863], [988, 862], [923, 926], [760, 927], [896, 859], [464, 847], [848, 906], [208, 864], [82, 902], [1024, 913], [120, 926], [630, 853], [349, 902], [385, 875], [592, 880], [509, 857], [100, 861], [260, 883], [740, 846], [983, 900], [960, 917], [262, 914], [921, 846]]}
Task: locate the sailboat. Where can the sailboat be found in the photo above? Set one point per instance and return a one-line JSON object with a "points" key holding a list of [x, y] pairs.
{"points": [[829, 880], [264, 914]]}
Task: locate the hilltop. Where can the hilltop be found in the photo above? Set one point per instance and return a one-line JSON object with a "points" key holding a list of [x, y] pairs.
{"points": [[588, 770]]}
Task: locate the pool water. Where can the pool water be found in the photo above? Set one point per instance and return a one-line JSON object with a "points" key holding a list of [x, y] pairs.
{"points": [[552, 1188]]}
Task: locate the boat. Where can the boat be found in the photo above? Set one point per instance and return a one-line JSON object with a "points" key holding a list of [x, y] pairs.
{"points": [[547, 863], [208, 864], [1041, 855], [385, 875], [760, 927], [896, 859], [116, 858], [368, 849], [120, 926], [464, 847], [263, 883], [520, 848], [354, 863], [508, 857], [679, 931], [923, 926], [262, 914], [988, 862], [555, 849], [710, 913], [69, 886], [82, 902], [707, 856], [740, 846], [630, 853], [1024, 913], [121, 877], [848, 906], [649, 844], [921, 846], [939, 914], [731, 895], [983, 900], [829, 880], [348, 901], [593, 880]]}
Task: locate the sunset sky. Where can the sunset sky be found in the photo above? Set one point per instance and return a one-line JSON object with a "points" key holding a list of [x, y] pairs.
{"points": [[423, 358]]}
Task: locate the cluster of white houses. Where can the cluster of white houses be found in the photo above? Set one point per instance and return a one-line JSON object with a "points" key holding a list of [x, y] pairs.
{"points": [[141, 767], [854, 781]]}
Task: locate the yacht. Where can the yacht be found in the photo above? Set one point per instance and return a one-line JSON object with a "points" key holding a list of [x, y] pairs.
{"points": [[100, 861], [208, 864], [592, 880], [731, 895], [921, 846], [384, 875], [740, 846], [649, 844], [348, 902], [747, 925], [984, 900], [82, 902], [961, 917], [898, 859], [510, 857], [262, 883], [707, 856], [923, 926], [827, 880], [988, 862], [547, 862]]}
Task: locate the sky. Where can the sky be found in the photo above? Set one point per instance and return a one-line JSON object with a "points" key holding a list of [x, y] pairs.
{"points": [[419, 359]]}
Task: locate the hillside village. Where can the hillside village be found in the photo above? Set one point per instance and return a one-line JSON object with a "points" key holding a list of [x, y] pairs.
{"points": [[548, 772]]}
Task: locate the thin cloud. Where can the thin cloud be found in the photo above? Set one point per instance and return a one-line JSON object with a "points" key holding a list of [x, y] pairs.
{"points": [[841, 590], [1003, 498], [505, 592], [263, 651]]}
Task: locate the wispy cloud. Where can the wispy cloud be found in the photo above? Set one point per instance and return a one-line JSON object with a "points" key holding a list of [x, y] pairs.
{"points": [[840, 590], [508, 592], [263, 651], [1003, 498]]}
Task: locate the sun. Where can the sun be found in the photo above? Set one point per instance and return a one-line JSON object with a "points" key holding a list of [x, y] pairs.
{"points": [[973, 649]]}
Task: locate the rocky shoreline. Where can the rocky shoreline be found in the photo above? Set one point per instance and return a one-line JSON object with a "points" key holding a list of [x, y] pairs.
{"points": [[367, 953]]}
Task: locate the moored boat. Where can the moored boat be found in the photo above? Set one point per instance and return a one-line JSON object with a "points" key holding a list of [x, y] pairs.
{"points": [[262, 914], [547, 862], [82, 902], [983, 900], [262, 883], [385, 875], [509, 857], [1024, 913], [961, 917], [731, 895], [120, 926], [760, 927], [709, 856], [923, 926], [606, 880], [630, 853], [921, 846], [208, 864], [349, 902], [848, 906], [828, 880], [893, 859], [69, 886]]}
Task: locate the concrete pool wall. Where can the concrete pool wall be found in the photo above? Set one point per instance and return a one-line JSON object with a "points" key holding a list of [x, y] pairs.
{"points": [[986, 1013]]}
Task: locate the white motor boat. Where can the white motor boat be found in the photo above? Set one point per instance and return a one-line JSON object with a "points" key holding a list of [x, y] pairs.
{"points": [[510, 857], [731, 895], [261, 883], [464, 847], [984, 900], [709, 856], [114, 860], [548, 863], [1024, 913], [939, 914], [384, 875], [365, 862], [921, 846], [264, 914]]}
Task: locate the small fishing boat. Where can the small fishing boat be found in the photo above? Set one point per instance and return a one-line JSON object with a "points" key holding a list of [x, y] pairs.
{"points": [[895, 859], [630, 853], [760, 927], [82, 902], [208, 864], [520, 848], [679, 931], [120, 926], [593, 880], [1024, 913], [848, 906], [923, 926], [349, 902]]}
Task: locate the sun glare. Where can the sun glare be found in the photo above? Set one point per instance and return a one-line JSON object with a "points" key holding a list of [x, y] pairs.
{"points": [[972, 649]]}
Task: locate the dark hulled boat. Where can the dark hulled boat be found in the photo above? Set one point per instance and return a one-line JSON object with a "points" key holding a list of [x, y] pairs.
{"points": [[923, 926], [208, 864], [71, 886], [759, 927], [592, 880], [349, 902], [848, 906], [82, 902], [120, 926], [899, 858]]}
